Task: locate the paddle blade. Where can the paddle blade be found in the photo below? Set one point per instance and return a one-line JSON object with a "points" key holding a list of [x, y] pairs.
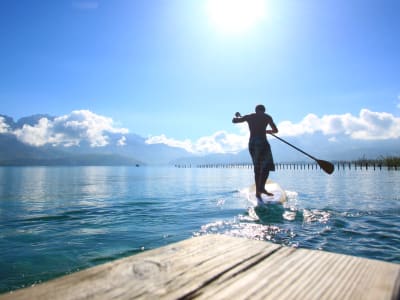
{"points": [[326, 166]]}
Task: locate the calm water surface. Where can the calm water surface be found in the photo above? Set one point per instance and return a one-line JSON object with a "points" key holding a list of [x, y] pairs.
{"points": [[57, 220]]}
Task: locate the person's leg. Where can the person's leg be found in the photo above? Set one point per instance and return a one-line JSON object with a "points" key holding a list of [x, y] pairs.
{"points": [[264, 178], [266, 165], [257, 177], [255, 156]]}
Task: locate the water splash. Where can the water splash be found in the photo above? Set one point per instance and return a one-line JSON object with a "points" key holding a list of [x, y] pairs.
{"points": [[316, 215]]}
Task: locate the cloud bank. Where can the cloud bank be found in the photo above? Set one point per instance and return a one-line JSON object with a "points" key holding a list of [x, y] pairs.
{"points": [[4, 128], [219, 142], [368, 125], [69, 130], [85, 127]]}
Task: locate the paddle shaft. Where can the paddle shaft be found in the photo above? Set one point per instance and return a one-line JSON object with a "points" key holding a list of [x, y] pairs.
{"points": [[305, 153]]}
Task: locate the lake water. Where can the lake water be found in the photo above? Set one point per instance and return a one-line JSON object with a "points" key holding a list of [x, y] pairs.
{"points": [[58, 220]]}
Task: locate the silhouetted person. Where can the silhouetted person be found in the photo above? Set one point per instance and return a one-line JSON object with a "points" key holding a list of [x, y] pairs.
{"points": [[259, 148]]}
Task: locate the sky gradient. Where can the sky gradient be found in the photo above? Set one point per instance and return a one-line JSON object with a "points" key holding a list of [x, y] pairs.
{"points": [[167, 70]]}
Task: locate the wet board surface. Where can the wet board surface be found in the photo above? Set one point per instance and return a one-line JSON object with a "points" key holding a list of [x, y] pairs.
{"points": [[279, 196]]}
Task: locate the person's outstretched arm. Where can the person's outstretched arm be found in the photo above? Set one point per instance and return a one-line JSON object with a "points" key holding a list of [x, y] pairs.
{"points": [[238, 118]]}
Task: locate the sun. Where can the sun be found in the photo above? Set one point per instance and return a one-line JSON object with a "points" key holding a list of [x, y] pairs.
{"points": [[235, 16]]}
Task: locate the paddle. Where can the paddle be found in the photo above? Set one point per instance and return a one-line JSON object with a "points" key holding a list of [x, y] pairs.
{"points": [[325, 165]]}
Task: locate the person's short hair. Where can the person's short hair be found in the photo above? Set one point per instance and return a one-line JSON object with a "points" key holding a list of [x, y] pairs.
{"points": [[260, 108]]}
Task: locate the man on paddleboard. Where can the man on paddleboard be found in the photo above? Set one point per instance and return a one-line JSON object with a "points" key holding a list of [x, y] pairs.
{"points": [[259, 148]]}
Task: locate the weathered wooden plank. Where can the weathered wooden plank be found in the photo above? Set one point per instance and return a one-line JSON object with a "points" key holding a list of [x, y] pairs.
{"points": [[222, 267], [165, 272], [306, 274]]}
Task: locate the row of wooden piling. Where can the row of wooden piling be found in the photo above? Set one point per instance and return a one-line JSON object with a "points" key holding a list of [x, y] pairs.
{"points": [[295, 166]]}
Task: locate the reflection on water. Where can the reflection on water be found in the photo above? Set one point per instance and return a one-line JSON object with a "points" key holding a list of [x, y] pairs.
{"points": [[38, 188], [97, 183], [351, 212]]}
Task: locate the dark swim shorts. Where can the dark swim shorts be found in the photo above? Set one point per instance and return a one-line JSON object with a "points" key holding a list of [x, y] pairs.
{"points": [[261, 154]]}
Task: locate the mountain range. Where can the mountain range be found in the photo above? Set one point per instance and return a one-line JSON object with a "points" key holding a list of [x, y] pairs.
{"points": [[135, 150]]}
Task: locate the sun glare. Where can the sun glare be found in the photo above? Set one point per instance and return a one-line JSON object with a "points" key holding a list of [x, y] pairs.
{"points": [[235, 16]]}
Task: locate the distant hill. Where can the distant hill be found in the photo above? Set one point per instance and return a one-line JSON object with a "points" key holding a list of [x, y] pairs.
{"points": [[133, 149], [16, 153]]}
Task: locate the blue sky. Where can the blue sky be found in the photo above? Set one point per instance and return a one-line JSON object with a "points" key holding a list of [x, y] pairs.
{"points": [[166, 68]]}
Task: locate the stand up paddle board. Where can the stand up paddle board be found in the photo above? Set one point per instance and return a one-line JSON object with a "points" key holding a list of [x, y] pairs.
{"points": [[279, 196]]}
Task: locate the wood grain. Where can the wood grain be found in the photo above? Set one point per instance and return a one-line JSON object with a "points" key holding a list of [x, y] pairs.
{"points": [[223, 267]]}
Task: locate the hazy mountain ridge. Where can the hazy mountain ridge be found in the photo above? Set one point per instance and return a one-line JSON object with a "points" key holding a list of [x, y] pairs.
{"points": [[134, 150]]}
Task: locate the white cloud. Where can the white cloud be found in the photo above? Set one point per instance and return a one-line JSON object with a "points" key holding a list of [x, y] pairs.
{"points": [[162, 139], [367, 125], [37, 135], [4, 128], [333, 139], [71, 130], [377, 126], [84, 126], [122, 141], [219, 142]]}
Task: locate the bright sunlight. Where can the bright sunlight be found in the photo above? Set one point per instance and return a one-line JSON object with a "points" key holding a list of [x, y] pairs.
{"points": [[235, 16]]}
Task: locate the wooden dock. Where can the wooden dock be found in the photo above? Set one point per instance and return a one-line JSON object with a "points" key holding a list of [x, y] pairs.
{"points": [[222, 267]]}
